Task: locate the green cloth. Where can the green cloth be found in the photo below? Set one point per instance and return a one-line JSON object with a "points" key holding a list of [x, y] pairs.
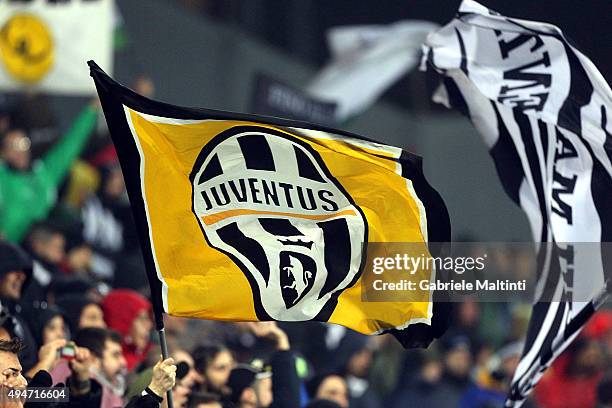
{"points": [[139, 383], [28, 196]]}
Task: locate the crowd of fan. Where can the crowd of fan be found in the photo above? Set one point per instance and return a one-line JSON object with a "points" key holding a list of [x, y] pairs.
{"points": [[74, 304]]}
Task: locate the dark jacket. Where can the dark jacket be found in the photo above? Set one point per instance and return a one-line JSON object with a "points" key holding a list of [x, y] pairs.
{"points": [[144, 401], [285, 380], [90, 400], [13, 258]]}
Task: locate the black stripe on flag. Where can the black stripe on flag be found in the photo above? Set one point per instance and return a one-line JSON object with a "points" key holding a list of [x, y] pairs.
{"points": [[279, 227], [543, 127], [305, 167], [506, 159], [455, 97], [212, 170], [538, 317], [546, 351], [232, 236], [256, 152], [463, 65], [533, 158], [337, 259], [604, 126], [602, 200], [580, 93]]}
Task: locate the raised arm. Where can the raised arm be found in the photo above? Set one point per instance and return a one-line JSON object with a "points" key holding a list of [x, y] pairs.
{"points": [[60, 157]]}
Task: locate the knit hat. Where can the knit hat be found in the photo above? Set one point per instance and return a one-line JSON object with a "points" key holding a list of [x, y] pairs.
{"points": [[241, 377], [67, 285], [322, 403], [13, 258], [312, 386], [72, 306], [121, 306], [351, 344], [38, 317]]}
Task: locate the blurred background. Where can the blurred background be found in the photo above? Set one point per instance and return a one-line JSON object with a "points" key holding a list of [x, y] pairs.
{"points": [[208, 54], [228, 55]]}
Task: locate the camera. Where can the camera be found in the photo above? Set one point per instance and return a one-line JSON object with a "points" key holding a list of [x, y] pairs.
{"points": [[68, 352]]}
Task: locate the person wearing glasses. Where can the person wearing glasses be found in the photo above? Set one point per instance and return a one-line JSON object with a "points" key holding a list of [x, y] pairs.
{"points": [[28, 189]]}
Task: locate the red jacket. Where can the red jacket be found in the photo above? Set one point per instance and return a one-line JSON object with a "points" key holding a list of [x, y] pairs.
{"points": [[557, 389]]}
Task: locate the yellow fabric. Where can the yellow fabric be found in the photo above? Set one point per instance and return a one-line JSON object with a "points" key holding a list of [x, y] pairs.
{"points": [[205, 283], [84, 181]]}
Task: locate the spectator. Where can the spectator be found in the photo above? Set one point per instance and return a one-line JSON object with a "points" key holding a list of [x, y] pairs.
{"points": [[354, 358], [241, 387], [420, 391], [129, 314], [571, 381], [457, 360], [107, 366], [214, 363], [465, 324], [192, 378], [79, 256], [387, 367], [7, 324], [103, 217], [317, 341], [10, 369], [45, 244], [81, 312], [85, 383], [599, 328], [84, 392], [330, 387], [282, 388], [75, 285], [162, 380], [187, 379], [604, 391], [35, 186], [492, 384], [33, 114], [15, 275], [46, 323], [49, 357]]}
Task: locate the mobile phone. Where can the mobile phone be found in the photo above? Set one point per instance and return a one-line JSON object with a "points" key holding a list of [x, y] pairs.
{"points": [[68, 352]]}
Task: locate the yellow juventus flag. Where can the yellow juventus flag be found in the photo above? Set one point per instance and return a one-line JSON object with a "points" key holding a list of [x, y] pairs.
{"points": [[246, 218]]}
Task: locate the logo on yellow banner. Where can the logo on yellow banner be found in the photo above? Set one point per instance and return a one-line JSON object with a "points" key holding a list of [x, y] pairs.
{"points": [[26, 47], [268, 201]]}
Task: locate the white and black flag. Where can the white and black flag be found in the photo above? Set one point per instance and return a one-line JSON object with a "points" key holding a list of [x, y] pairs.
{"points": [[544, 111]]}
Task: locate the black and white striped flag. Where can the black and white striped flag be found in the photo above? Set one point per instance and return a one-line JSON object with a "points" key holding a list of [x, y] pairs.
{"points": [[543, 109]]}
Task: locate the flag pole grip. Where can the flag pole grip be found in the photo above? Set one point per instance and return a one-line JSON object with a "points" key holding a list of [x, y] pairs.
{"points": [[164, 350]]}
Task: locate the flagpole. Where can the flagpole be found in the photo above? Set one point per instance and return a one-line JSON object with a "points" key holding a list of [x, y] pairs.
{"points": [[159, 319]]}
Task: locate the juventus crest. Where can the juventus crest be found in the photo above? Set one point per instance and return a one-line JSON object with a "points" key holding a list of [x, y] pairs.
{"points": [[267, 200]]}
